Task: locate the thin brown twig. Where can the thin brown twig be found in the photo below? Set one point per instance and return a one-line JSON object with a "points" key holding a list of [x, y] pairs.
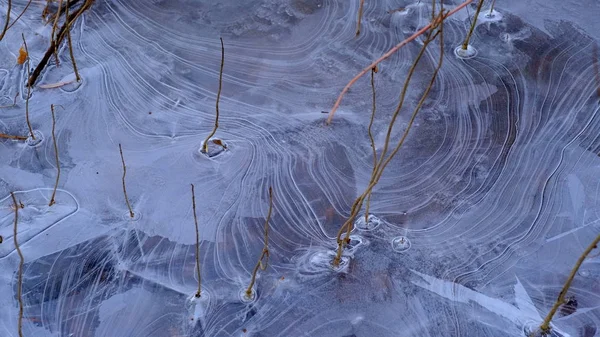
{"points": [[131, 214], [13, 104], [473, 24], [383, 160], [20, 14], [214, 130], [360, 15], [199, 292], [492, 7], [265, 252], [21, 263], [54, 42], [3, 135], [386, 56], [52, 201], [28, 65], [368, 205], [77, 77], [5, 29], [545, 326], [53, 34]]}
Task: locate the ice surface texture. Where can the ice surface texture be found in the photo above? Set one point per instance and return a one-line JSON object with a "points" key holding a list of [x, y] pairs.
{"points": [[497, 188]]}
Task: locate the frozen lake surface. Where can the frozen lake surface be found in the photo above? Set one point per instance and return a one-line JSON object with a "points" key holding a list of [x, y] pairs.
{"points": [[480, 216]]}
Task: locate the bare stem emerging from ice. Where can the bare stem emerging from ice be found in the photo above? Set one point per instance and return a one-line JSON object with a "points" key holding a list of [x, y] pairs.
{"points": [[199, 292], [28, 88], [55, 156], [21, 262], [545, 327], [360, 15], [265, 252], [466, 43], [131, 214], [214, 130]]}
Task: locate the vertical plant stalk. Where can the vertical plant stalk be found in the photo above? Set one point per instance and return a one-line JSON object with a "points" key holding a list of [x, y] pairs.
{"points": [[214, 130], [7, 20], [385, 57], [131, 214], [20, 271], [52, 201], [28, 89], [265, 252], [492, 7], [53, 34], [545, 326], [77, 77], [55, 42], [360, 15], [346, 228], [19, 16], [472, 29], [373, 71], [199, 292]]}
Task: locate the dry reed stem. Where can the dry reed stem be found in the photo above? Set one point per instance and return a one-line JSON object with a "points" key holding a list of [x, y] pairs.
{"points": [[20, 14], [360, 15], [373, 71], [21, 262], [13, 104], [265, 252], [214, 130], [5, 29], [385, 56], [3, 135], [54, 42], [131, 214], [492, 7], [383, 161], [52, 201], [28, 89], [472, 29], [77, 77], [545, 326], [199, 292], [53, 34]]}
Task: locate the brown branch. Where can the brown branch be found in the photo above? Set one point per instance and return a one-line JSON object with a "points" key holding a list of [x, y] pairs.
{"points": [[214, 130], [368, 205], [5, 29], [472, 29], [386, 56], [360, 15], [199, 292], [131, 214], [545, 327], [53, 34], [383, 160], [13, 104], [21, 262], [52, 202], [3, 135], [20, 14], [54, 42], [77, 77], [265, 252], [28, 89]]}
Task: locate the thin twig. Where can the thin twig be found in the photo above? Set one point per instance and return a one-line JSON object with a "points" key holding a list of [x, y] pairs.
{"points": [[54, 42], [20, 14], [214, 130], [3, 135], [384, 57], [360, 15], [28, 89], [383, 160], [13, 104], [545, 327], [473, 24], [368, 205], [52, 201], [265, 252], [131, 214], [77, 77], [199, 292], [492, 7], [21, 262], [5, 29], [53, 34]]}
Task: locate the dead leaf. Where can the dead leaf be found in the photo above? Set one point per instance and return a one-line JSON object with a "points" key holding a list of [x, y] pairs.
{"points": [[22, 56]]}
